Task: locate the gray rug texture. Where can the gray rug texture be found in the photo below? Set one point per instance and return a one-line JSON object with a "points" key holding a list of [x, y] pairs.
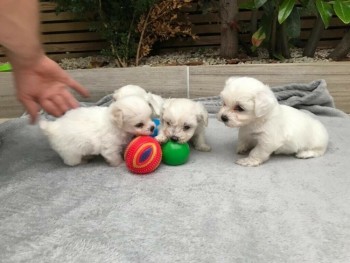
{"points": [[207, 210]]}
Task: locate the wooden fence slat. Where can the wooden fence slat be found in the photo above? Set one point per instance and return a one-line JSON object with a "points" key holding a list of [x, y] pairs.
{"points": [[61, 56], [65, 27], [206, 29], [47, 6], [52, 17], [73, 47], [214, 17], [326, 34], [309, 23], [69, 37]]}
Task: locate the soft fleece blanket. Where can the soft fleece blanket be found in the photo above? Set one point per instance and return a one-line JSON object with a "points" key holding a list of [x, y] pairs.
{"points": [[313, 97], [207, 210]]}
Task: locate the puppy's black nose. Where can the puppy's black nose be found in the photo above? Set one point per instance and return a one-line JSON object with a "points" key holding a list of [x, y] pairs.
{"points": [[174, 138], [224, 118], [152, 128]]}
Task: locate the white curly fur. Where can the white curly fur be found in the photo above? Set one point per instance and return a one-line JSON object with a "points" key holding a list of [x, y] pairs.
{"points": [[184, 120], [84, 132], [265, 127]]}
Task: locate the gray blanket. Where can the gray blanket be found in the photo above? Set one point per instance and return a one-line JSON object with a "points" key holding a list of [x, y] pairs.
{"points": [[207, 210], [313, 97]]}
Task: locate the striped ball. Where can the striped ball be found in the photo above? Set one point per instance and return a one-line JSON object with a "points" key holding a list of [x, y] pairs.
{"points": [[143, 155]]}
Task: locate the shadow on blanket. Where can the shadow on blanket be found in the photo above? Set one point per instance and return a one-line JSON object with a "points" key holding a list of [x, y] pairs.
{"points": [[208, 210]]}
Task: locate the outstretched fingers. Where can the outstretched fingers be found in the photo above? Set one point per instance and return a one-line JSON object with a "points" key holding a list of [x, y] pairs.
{"points": [[70, 82], [77, 87], [32, 108]]}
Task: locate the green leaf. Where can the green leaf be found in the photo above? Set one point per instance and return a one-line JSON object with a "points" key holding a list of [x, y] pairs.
{"points": [[258, 37], [325, 11], [250, 4], [342, 10], [279, 56], [293, 24], [309, 7], [259, 3], [285, 9]]}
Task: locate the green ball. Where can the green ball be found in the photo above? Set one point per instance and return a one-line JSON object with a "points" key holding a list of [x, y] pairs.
{"points": [[175, 153]]}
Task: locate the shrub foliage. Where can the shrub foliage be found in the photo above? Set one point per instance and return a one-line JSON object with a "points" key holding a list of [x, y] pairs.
{"points": [[130, 27]]}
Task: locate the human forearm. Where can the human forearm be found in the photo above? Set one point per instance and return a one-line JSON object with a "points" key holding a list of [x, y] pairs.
{"points": [[19, 31]]}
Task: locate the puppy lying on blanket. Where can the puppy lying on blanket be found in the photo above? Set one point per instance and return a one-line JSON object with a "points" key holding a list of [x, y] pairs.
{"points": [[267, 127], [84, 132]]}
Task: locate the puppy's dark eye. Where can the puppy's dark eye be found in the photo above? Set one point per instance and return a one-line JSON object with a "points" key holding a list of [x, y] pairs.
{"points": [[139, 125], [168, 123], [238, 108], [187, 127]]}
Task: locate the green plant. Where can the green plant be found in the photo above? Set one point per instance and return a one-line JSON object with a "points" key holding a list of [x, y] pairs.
{"points": [[326, 9], [159, 24], [115, 20], [340, 8], [280, 23], [118, 22]]}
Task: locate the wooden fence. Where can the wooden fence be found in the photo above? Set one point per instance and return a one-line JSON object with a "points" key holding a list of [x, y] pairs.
{"points": [[64, 36]]}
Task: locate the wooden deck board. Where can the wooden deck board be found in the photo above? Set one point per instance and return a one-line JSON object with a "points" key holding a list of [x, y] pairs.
{"points": [[165, 81], [203, 80]]}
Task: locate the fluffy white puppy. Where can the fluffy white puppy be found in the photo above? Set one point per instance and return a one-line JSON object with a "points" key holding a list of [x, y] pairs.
{"points": [[84, 132], [155, 101], [265, 126], [184, 120]]}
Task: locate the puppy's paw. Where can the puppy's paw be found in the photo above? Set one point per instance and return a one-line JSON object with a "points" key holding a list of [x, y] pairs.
{"points": [[249, 162], [309, 154], [242, 149], [161, 138], [203, 148], [72, 160], [115, 162]]}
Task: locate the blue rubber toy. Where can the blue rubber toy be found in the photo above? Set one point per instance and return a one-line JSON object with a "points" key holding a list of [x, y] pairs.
{"points": [[157, 123]]}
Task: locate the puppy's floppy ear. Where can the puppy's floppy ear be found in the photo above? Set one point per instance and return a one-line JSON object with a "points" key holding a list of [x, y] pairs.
{"points": [[116, 95], [264, 101], [201, 113], [165, 105], [117, 115], [156, 102]]}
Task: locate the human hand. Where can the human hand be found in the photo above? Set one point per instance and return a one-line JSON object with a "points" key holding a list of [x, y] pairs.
{"points": [[45, 85]]}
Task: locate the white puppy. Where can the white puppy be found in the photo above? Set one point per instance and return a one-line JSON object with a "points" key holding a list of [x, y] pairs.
{"points": [[155, 101], [184, 120], [267, 127], [84, 132]]}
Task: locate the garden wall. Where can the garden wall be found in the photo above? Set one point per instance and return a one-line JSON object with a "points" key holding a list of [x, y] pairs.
{"points": [[65, 37]]}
